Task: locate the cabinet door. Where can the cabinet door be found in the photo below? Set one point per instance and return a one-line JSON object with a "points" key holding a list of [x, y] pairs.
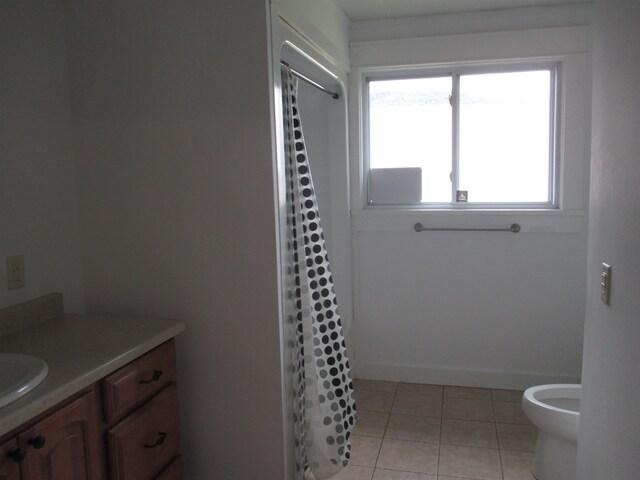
{"points": [[9, 469], [63, 445]]}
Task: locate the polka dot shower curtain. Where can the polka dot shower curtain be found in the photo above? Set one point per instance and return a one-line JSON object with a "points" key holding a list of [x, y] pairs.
{"points": [[324, 408]]}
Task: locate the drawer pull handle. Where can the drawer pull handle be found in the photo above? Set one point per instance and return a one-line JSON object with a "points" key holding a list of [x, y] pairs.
{"points": [[37, 442], [16, 455], [159, 441], [154, 378]]}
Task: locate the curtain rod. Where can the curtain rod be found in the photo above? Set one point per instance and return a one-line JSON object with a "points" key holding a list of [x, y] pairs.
{"points": [[311, 82]]}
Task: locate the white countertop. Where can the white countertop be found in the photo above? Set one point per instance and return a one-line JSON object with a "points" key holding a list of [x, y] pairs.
{"points": [[80, 350]]}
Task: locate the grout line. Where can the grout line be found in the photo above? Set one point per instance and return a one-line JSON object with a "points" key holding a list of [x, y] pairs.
{"points": [[495, 426], [384, 433], [441, 428]]}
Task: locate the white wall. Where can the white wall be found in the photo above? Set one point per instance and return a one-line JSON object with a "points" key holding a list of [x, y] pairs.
{"points": [[486, 309], [321, 23], [609, 422], [38, 211], [507, 20], [172, 112]]}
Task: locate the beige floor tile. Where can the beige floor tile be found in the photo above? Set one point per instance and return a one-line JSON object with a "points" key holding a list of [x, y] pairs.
{"points": [[469, 433], [517, 437], [375, 385], [470, 462], [420, 388], [516, 465], [364, 450], [506, 395], [467, 409], [510, 412], [382, 474], [352, 472], [374, 401], [409, 403], [417, 457], [467, 392], [371, 424], [412, 427]]}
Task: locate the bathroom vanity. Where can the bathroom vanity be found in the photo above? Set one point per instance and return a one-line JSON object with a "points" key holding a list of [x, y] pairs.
{"points": [[108, 408]]}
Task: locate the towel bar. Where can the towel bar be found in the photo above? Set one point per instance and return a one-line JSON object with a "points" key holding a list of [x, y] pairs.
{"points": [[514, 228]]}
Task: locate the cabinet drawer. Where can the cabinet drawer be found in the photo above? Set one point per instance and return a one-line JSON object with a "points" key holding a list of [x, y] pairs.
{"points": [[138, 381], [144, 443], [173, 471]]}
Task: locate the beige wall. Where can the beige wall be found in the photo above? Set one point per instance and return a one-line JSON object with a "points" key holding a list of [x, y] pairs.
{"points": [[171, 111], [38, 211]]}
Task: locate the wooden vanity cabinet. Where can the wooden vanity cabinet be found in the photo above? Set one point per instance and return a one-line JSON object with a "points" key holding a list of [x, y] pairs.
{"points": [[173, 471], [9, 466], [64, 445], [124, 427]]}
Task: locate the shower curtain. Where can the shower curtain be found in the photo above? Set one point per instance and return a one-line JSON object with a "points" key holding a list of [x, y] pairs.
{"points": [[324, 407]]}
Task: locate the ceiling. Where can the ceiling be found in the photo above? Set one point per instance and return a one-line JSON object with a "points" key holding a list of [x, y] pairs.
{"points": [[377, 9]]}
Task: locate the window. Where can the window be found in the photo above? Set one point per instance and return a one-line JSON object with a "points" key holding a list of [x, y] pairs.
{"points": [[472, 138]]}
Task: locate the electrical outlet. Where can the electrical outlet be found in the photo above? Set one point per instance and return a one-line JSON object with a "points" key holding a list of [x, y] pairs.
{"points": [[15, 272]]}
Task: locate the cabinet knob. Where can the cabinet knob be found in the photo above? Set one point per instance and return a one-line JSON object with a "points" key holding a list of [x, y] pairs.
{"points": [[16, 455], [159, 441], [37, 442], [154, 378]]}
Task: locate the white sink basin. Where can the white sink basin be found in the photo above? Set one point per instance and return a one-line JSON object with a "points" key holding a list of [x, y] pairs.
{"points": [[19, 374]]}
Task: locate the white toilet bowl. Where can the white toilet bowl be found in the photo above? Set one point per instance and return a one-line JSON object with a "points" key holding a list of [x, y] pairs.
{"points": [[555, 410]]}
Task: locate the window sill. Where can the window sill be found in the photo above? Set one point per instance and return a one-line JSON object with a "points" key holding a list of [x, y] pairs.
{"points": [[531, 221]]}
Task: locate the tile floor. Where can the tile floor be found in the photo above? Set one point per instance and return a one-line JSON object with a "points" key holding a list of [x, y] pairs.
{"points": [[430, 432]]}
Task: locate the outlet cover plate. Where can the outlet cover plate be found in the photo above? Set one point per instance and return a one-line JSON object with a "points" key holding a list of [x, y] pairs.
{"points": [[15, 272]]}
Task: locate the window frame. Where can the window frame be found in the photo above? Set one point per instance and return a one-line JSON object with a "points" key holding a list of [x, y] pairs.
{"points": [[455, 70]]}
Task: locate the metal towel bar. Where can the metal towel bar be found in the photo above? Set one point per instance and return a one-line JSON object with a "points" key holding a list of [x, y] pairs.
{"points": [[514, 228]]}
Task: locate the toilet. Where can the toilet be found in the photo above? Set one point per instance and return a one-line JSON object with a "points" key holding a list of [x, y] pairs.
{"points": [[555, 410]]}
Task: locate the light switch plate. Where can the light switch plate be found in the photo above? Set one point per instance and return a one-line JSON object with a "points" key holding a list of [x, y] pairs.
{"points": [[605, 284]]}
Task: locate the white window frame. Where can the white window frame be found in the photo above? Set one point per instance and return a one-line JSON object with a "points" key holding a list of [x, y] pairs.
{"points": [[455, 71], [568, 46]]}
